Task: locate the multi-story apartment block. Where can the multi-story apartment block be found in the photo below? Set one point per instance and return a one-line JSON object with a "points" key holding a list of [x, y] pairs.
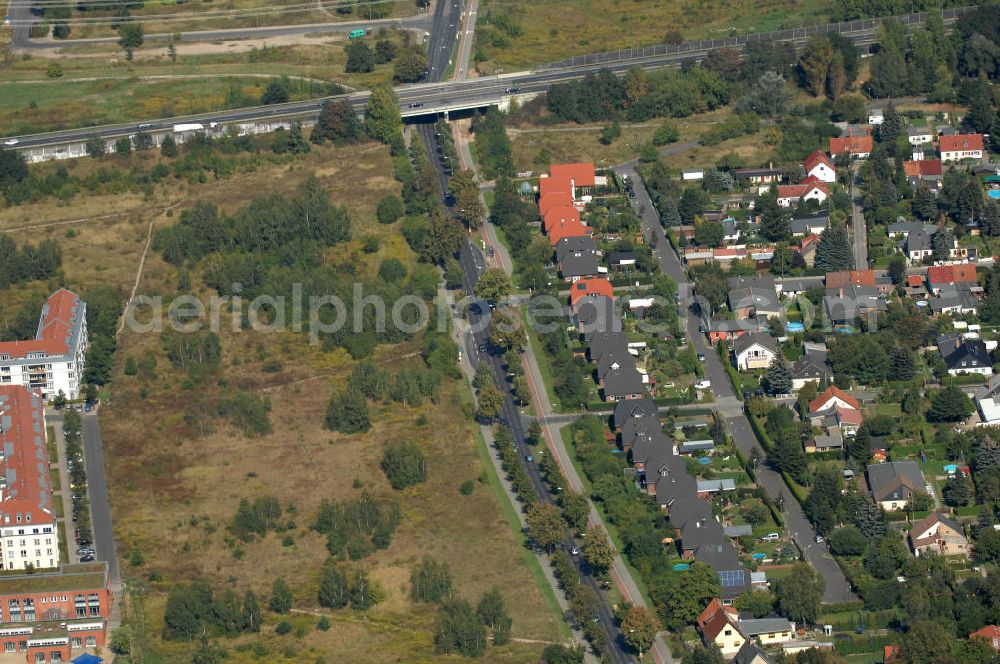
{"points": [[54, 617], [52, 362], [28, 533]]}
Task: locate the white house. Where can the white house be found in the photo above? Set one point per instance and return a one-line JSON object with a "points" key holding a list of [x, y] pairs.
{"points": [[52, 362], [791, 194], [818, 165], [961, 146], [755, 351], [919, 135]]}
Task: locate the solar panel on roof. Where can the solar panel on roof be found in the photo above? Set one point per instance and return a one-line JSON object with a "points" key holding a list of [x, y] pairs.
{"points": [[731, 578]]}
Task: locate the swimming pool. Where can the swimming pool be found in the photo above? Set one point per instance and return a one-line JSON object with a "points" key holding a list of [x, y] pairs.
{"points": [[993, 193]]}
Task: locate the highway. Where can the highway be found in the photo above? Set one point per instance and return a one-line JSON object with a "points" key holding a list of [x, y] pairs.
{"points": [[434, 97]]}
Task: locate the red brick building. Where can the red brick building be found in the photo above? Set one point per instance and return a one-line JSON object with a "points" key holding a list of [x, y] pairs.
{"points": [[55, 617]]}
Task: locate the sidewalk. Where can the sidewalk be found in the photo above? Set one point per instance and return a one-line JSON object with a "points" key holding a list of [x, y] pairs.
{"points": [[65, 492]]}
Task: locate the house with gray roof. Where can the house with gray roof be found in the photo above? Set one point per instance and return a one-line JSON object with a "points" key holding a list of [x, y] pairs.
{"points": [[633, 410], [623, 383], [902, 227], [809, 225], [916, 246], [850, 303], [755, 351], [754, 302], [954, 299], [811, 367], [594, 314], [892, 483], [964, 355], [577, 257], [751, 653]]}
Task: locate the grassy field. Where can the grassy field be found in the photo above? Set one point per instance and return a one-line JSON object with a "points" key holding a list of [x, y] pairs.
{"points": [[173, 495], [163, 16], [514, 34], [97, 85]]}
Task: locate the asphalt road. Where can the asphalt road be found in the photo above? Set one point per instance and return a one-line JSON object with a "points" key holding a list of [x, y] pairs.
{"points": [[796, 523], [433, 96], [859, 229], [22, 18], [100, 505]]}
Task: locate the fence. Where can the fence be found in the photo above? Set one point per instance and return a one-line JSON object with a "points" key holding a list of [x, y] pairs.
{"points": [[791, 34]]}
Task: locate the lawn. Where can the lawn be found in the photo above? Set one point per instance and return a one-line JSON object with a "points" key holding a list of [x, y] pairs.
{"points": [[516, 34]]}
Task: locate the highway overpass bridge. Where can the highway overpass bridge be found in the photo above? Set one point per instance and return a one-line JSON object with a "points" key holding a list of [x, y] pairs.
{"points": [[432, 99]]}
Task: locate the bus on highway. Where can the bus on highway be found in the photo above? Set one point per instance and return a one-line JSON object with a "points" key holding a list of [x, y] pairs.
{"points": [[356, 34]]}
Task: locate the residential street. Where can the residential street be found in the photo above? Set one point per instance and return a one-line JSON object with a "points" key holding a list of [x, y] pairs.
{"points": [[858, 228], [796, 523]]}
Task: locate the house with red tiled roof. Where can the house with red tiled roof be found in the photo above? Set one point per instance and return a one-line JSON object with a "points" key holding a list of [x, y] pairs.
{"points": [[26, 503], [991, 633], [950, 275], [961, 146], [791, 194], [581, 174], [52, 362], [833, 396], [923, 167], [551, 185], [718, 626], [850, 278], [584, 287], [939, 535], [819, 166], [564, 229], [560, 215], [555, 199], [807, 248], [856, 147]]}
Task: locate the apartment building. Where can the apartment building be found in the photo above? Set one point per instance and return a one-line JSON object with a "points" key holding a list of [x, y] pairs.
{"points": [[28, 534], [52, 362]]}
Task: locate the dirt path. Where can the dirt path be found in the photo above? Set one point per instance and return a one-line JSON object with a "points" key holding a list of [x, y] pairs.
{"points": [[161, 77], [142, 264]]}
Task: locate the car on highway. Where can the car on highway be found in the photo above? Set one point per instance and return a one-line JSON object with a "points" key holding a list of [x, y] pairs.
{"points": [[145, 125], [417, 104], [511, 91], [703, 385], [11, 141]]}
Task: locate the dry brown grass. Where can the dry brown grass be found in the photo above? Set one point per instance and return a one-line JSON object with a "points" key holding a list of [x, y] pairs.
{"points": [[172, 494]]}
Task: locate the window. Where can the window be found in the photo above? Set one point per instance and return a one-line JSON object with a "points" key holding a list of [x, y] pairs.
{"points": [[8, 647], [76, 642], [729, 632], [39, 657], [91, 641]]}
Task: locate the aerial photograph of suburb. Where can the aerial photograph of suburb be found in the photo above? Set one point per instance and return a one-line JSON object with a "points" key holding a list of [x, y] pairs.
{"points": [[500, 331]]}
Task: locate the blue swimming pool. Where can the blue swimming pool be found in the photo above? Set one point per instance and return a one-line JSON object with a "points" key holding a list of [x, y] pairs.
{"points": [[795, 327], [681, 567], [993, 193]]}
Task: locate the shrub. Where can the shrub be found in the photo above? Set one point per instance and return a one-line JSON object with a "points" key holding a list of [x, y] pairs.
{"points": [[284, 627], [403, 463], [466, 487]]}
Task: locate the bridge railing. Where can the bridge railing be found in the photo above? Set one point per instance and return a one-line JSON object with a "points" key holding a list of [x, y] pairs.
{"points": [[843, 27]]}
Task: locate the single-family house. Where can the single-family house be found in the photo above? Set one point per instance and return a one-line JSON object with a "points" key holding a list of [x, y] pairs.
{"points": [[938, 534], [902, 228], [845, 306], [833, 397], [581, 175], [623, 383], [831, 441], [989, 411], [595, 286], [955, 300], [751, 653], [595, 313], [927, 171], [554, 199], [755, 351], [950, 275], [723, 329], [564, 229], [757, 176], [819, 166], [754, 302], [893, 483], [991, 633], [809, 225], [964, 355], [560, 215], [634, 410], [811, 367], [791, 194], [555, 184], [855, 147], [717, 625], [917, 246], [836, 280], [919, 135], [576, 257], [769, 631], [961, 146], [807, 249]]}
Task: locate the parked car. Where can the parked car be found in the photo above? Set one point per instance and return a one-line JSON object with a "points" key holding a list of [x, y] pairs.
{"points": [[701, 357], [703, 385], [771, 537], [87, 559], [819, 539], [529, 458]]}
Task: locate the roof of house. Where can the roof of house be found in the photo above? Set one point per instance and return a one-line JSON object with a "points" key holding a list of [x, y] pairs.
{"points": [[553, 184], [668, 473], [750, 653], [633, 409], [620, 257], [554, 200], [958, 351], [714, 618], [70, 577], [960, 143], [745, 173], [850, 277], [923, 168], [761, 281], [61, 318], [728, 325], [815, 159], [811, 366], [988, 632], [623, 381], [577, 256], [933, 519], [596, 286], [25, 463], [569, 228], [848, 416], [765, 341], [800, 190], [762, 299], [605, 342], [918, 131], [560, 215], [804, 225], [895, 480], [851, 145], [755, 626], [820, 402], [828, 441], [582, 174], [950, 274], [650, 446], [903, 227]]}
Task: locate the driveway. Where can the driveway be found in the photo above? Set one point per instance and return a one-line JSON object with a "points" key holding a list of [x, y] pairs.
{"points": [[796, 523]]}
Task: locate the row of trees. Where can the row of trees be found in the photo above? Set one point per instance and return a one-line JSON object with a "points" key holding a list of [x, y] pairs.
{"points": [[29, 263]]}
